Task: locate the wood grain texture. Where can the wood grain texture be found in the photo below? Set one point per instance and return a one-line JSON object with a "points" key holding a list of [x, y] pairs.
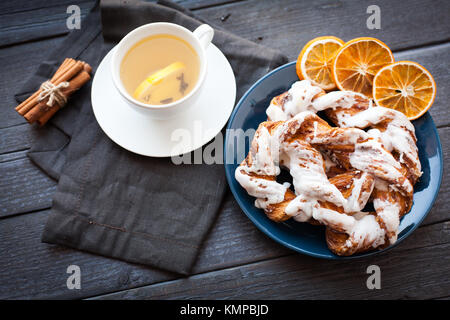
{"points": [[23, 187], [302, 277], [13, 156], [440, 210], [287, 278], [403, 24], [40, 21], [14, 6], [8, 7], [33, 20], [38, 270], [287, 25], [15, 138]]}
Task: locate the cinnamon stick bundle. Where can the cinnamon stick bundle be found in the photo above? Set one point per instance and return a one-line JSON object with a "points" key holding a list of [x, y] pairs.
{"points": [[53, 94]]}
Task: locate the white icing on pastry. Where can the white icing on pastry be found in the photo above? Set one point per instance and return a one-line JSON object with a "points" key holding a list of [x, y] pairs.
{"points": [[299, 98], [388, 131], [399, 134]]}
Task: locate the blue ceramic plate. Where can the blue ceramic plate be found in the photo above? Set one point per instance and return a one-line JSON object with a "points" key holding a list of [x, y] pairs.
{"points": [[303, 237]]}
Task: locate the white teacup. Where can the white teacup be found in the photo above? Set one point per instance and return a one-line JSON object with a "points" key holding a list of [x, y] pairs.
{"points": [[199, 40]]}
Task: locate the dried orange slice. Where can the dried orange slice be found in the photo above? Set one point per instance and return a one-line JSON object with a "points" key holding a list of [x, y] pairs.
{"points": [[357, 62], [406, 87], [315, 60]]}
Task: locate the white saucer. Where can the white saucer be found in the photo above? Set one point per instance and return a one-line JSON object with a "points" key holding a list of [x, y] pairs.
{"points": [[150, 137]]}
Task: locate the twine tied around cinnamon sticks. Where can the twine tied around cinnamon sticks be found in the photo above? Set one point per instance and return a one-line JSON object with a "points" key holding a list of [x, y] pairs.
{"points": [[53, 94]]}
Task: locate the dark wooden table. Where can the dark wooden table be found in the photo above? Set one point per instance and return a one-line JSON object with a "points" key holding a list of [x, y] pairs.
{"points": [[237, 261]]}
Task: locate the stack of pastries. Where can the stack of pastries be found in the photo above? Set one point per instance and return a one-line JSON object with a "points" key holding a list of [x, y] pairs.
{"points": [[369, 155]]}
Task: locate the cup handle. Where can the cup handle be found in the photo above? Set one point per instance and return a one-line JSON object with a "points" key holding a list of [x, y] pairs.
{"points": [[204, 34]]}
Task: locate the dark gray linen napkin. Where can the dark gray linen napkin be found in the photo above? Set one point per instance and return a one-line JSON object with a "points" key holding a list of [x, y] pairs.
{"points": [[110, 201]]}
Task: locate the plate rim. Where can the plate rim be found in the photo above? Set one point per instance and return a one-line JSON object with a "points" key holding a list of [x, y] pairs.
{"points": [[287, 244]]}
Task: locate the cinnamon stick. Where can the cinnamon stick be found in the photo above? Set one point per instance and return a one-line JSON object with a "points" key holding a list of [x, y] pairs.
{"points": [[43, 112], [31, 101], [75, 73], [87, 67], [63, 65], [65, 75], [75, 84], [69, 73]]}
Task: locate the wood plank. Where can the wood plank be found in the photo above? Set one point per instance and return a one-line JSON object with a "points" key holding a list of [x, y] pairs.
{"points": [[31, 20], [285, 278], [300, 19], [14, 6], [288, 25], [22, 57], [440, 210], [15, 138], [38, 23], [23, 187], [418, 269], [31, 269], [13, 156]]}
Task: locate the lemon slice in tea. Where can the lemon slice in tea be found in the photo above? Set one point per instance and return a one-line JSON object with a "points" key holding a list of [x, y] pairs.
{"points": [[160, 86]]}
